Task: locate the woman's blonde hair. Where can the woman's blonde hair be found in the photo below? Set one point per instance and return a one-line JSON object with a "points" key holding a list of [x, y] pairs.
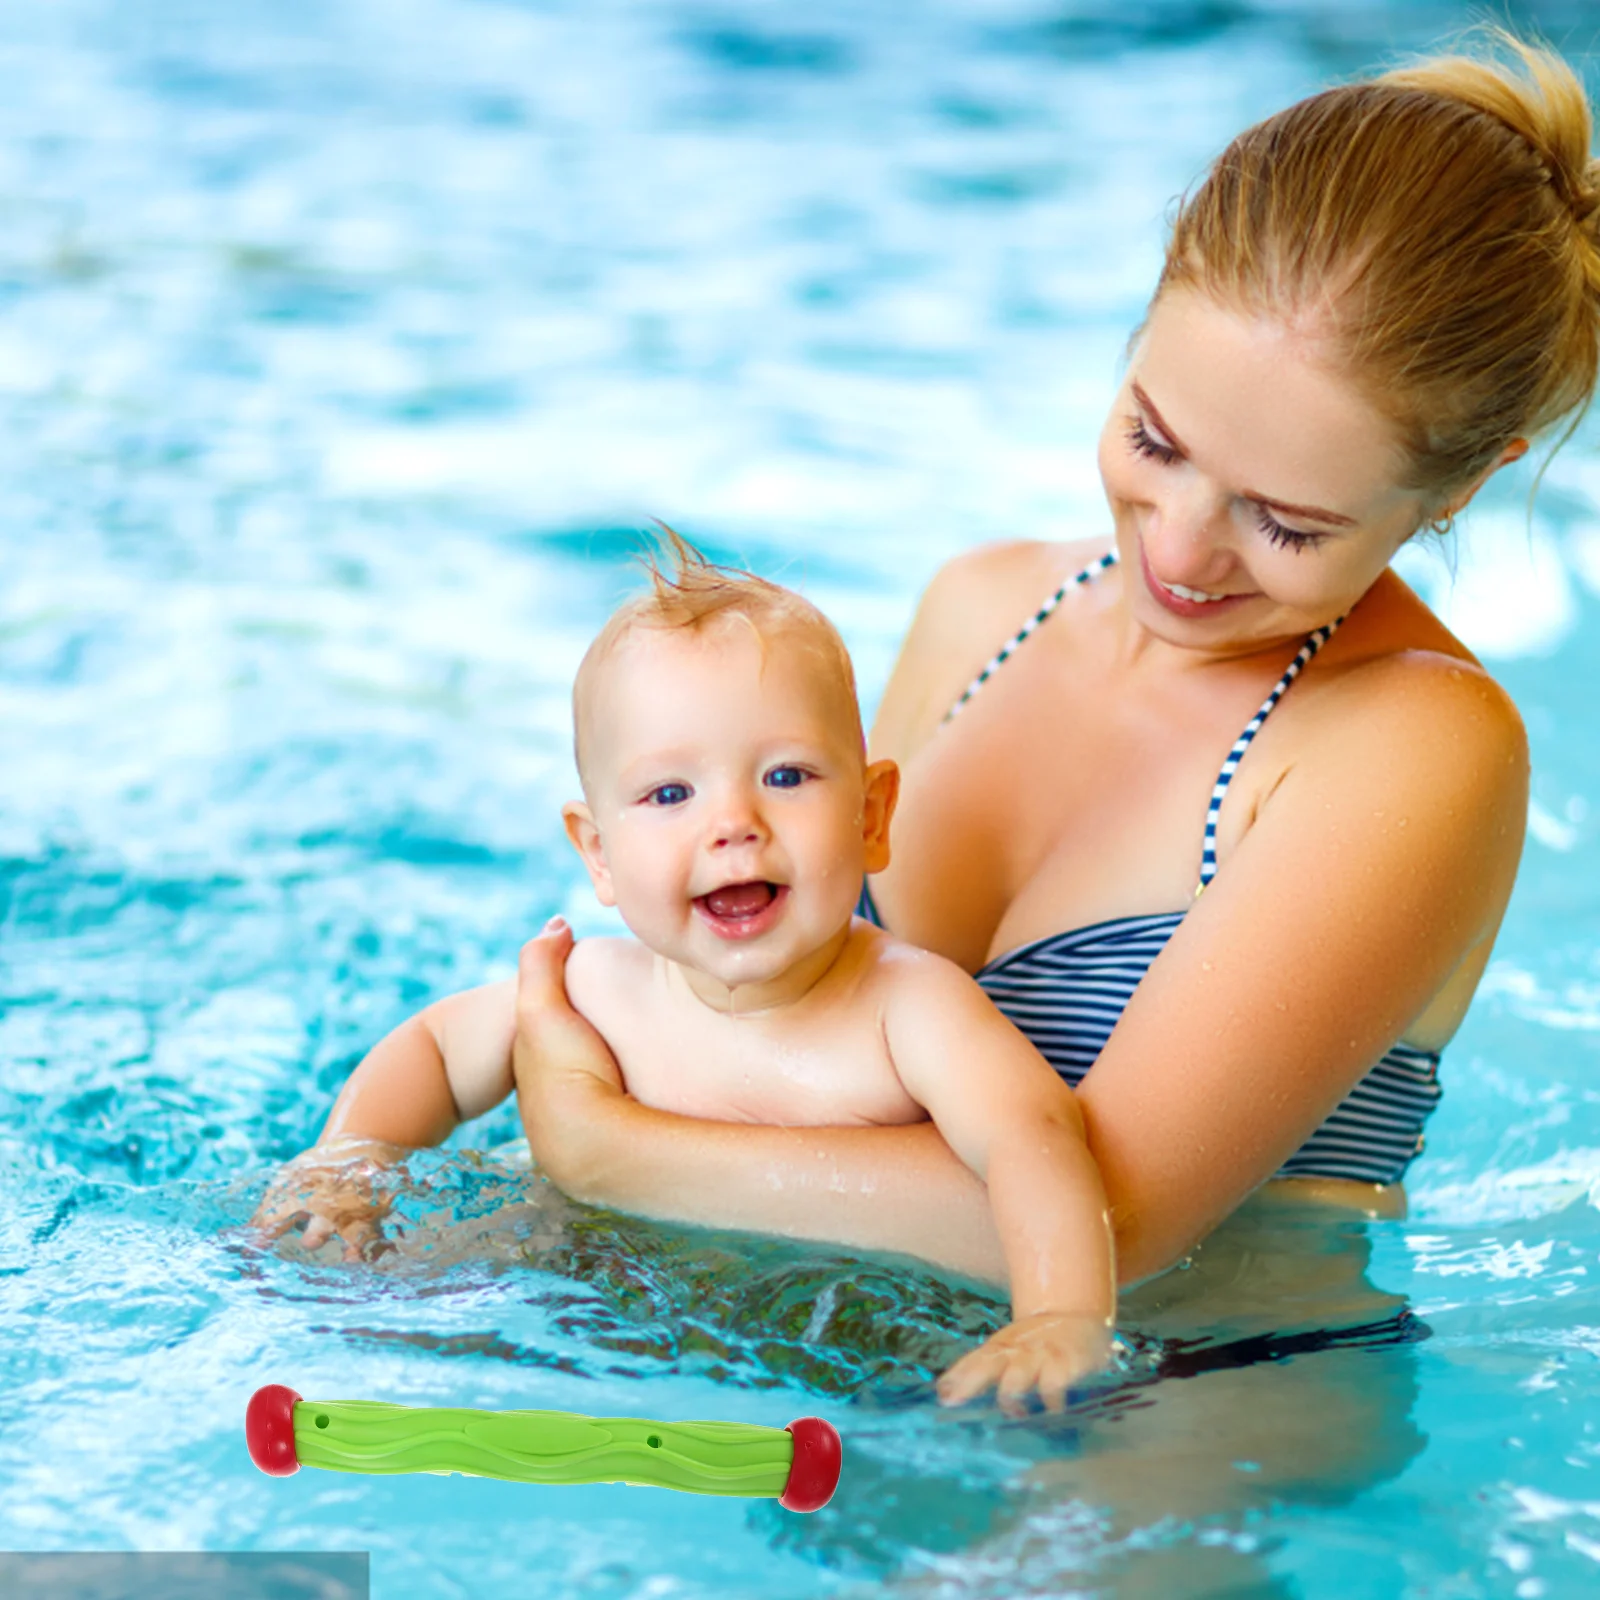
{"points": [[1440, 227]]}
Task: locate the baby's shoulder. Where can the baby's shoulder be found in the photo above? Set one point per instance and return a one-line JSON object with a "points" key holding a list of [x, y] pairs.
{"points": [[903, 975], [932, 1014], [602, 972]]}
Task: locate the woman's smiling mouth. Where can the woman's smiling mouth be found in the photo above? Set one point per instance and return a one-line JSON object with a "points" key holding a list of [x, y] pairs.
{"points": [[1180, 599]]}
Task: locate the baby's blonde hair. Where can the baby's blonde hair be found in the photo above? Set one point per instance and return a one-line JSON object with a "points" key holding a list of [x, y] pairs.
{"points": [[1440, 225], [690, 594]]}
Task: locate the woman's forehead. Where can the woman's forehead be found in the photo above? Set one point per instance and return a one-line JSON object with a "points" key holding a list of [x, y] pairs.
{"points": [[1261, 406]]}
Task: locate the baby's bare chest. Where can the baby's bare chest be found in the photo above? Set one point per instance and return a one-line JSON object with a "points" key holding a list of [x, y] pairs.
{"points": [[732, 1069]]}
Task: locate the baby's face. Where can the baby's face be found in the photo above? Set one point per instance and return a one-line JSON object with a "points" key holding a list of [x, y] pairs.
{"points": [[730, 813]]}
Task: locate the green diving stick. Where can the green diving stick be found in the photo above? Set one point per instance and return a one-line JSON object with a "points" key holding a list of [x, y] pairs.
{"points": [[798, 1466]]}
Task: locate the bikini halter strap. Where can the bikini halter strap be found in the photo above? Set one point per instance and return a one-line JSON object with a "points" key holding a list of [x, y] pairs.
{"points": [[1314, 642], [1093, 570]]}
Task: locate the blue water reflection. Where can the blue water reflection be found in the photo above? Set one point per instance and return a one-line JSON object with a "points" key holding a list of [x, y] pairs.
{"points": [[344, 348]]}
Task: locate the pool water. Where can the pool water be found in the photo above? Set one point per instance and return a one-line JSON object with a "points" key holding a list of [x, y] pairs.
{"points": [[344, 350]]}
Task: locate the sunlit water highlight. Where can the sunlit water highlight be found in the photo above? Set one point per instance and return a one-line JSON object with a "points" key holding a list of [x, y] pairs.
{"points": [[343, 350]]}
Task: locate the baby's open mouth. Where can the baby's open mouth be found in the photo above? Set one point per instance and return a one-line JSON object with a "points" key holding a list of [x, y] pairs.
{"points": [[740, 899], [738, 910]]}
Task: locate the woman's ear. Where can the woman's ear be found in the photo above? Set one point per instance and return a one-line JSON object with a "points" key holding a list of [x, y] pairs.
{"points": [[584, 832], [1514, 451], [882, 789]]}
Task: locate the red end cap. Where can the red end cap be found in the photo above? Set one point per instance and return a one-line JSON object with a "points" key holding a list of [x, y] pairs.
{"points": [[814, 1473], [269, 1430]]}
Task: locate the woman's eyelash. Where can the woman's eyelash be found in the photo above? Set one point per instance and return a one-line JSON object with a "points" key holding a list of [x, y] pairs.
{"points": [[1288, 538], [1143, 444]]}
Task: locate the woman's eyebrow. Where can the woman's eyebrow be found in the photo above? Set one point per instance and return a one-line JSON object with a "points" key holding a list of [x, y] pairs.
{"points": [[1310, 513]]}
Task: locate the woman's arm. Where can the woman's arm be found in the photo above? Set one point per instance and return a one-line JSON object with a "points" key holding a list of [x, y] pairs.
{"points": [[1377, 866], [895, 1189]]}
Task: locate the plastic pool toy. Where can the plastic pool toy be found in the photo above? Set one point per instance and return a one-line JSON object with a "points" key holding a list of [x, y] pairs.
{"points": [[798, 1466]]}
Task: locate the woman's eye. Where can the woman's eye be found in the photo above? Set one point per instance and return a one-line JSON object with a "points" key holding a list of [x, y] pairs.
{"points": [[786, 777], [1288, 538], [668, 794], [1142, 443]]}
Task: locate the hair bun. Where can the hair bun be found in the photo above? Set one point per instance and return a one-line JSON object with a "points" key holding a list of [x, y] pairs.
{"points": [[1579, 189], [1584, 196], [1544, 105]]}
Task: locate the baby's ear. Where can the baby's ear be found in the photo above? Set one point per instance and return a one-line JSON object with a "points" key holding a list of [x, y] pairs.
{"points": [[584, 833], [882, 790]]}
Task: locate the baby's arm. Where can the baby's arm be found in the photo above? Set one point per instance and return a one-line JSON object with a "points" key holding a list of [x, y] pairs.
{"points": [[446, 1065], [1003, 1110], [449, 1063]]}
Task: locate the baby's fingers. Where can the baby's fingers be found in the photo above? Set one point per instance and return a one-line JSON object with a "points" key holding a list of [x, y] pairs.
{"points": [[1056, 1376], [1018, 1381], [319, 1230], [974, 1374], [277, 1214]]}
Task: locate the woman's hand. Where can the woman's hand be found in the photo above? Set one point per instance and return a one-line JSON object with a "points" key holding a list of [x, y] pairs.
{"points": [[332, 1190], [1044, 1354], [566, 1077]]}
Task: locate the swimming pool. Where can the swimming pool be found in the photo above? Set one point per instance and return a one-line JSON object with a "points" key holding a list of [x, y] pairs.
{"points": [[343, 347]]}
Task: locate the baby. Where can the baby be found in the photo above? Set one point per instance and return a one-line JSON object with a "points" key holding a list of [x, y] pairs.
{"points": [[729, 814]]}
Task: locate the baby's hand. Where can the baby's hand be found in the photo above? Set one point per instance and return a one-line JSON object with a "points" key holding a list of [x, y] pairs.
{"points": [[1042, 1354], [331, 1188]]}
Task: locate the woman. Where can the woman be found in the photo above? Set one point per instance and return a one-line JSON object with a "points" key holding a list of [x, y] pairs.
{"points": [[1372, 303]]}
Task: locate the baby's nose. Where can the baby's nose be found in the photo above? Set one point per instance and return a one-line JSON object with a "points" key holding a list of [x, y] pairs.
{"points": [[738, 821], [730, 833]]}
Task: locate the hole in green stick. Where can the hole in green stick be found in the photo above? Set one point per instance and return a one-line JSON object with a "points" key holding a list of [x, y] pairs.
{"points": [[653, 1442], [322, 1420]]}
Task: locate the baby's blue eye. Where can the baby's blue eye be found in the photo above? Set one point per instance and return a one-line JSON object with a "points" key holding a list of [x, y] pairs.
{"points": [[668, 794], [786, 777]]}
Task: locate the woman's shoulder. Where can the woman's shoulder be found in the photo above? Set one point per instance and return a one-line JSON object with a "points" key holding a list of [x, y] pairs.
{"points": [[1008, 575], [1409, 724], [1428, 710], [1402, 672], [973, 604]]}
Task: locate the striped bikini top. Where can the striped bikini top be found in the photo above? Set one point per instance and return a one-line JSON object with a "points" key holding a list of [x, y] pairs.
{"points": [[1067, 990]]}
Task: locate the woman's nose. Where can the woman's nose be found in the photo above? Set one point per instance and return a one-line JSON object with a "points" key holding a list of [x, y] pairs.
{"points": [[1187, 540]]}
